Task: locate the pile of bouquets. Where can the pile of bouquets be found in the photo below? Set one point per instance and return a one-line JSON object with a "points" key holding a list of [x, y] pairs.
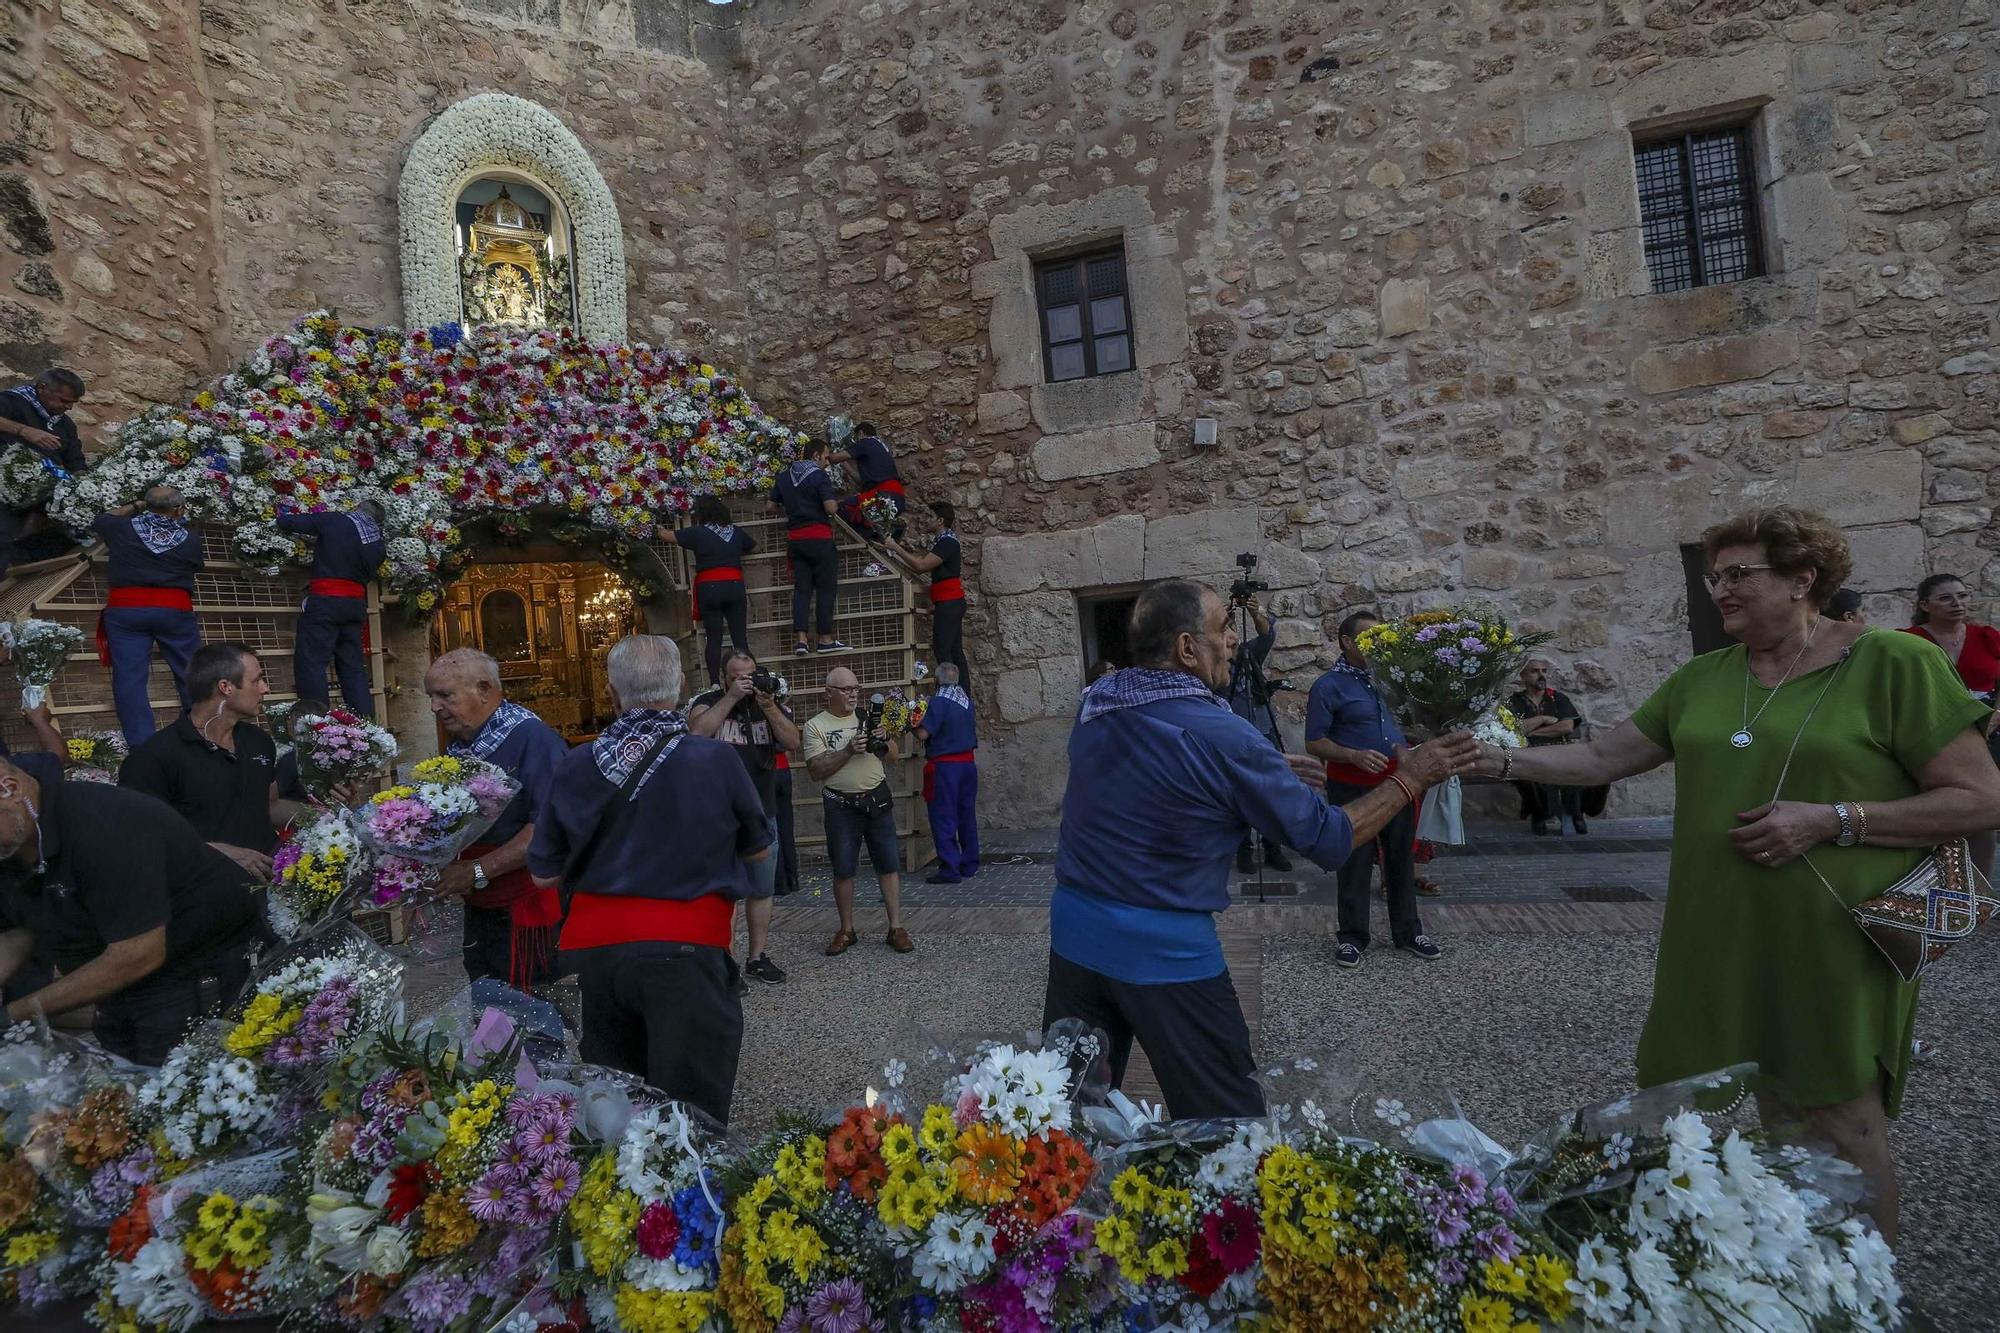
{"points": [[340, 749]]}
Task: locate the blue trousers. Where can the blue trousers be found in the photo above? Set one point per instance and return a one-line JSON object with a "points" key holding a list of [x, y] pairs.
{"points": [[330, 627], [953, 800], [131, 632]]}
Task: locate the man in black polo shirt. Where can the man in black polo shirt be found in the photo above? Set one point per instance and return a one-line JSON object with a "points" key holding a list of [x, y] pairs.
{"points": [[215, 766], [37, 415], [648, 933], [759, 727], [143, 919]]}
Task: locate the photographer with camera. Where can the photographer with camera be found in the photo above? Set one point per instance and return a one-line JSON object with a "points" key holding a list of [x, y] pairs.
{"points": [[1249, 693], [747, 712], [844, 753]]}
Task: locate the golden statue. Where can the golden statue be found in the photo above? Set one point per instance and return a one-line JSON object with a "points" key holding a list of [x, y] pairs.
{"points": [[510, 273]]}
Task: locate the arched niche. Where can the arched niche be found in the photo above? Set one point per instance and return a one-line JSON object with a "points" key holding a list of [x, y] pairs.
{"points": [[497, 135]]}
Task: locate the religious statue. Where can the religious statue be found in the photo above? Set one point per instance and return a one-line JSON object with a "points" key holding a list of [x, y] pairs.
{"points": [[509, 272]]}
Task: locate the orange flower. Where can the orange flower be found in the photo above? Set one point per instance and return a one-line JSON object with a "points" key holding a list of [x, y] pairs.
{"points": [[132, 1228], [223, 1287], [988, 1164]]}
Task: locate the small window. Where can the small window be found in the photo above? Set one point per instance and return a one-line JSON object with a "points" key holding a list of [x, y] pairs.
{"points": [[1086, 315], [1698, 204], [1103, 617]]}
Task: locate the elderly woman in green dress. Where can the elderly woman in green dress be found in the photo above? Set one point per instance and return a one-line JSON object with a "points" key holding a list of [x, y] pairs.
{"points": [[1759, 959]]}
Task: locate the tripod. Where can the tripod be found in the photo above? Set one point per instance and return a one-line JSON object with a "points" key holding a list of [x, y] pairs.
{"points": [[1247, 670]]}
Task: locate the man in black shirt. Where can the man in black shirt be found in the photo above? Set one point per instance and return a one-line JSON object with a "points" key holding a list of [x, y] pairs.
{"points": [[215, 766], [943, 562], [1547, 717], [878, 477], [805, 493], [720, 599], [37, 415], [141, 917], [758, 726]]}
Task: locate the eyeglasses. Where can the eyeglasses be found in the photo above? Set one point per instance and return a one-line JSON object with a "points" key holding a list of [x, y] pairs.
{"points": [[843, 689], [1727, 578]]}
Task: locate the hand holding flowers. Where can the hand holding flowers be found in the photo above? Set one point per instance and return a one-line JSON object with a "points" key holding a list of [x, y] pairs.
{"points": [[39, 648]]}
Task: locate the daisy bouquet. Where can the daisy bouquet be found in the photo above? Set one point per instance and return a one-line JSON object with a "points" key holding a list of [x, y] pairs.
{"points": [[39, 649], [27, 477], [1678, 1223], [263, 549], [341, 749], [879, 513], [1444, 670], [647, 1221], [312, 871], [95, 756], [445, 805]]}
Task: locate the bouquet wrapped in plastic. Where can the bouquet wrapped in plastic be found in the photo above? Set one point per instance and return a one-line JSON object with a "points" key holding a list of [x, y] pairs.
{"points": [[1444, 670], [879, 513], [39, 649], [319, 868], [95, 756], [28, 477], [427, 821], [340, 749]]}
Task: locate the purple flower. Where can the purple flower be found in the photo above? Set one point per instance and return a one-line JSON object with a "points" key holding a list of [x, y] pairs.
{"points": [[554, 1183], [436, 1299], [1449, 1229], [487, 1198], [1469, 1183], [1451, 1270], [1497, 1242], [794, 1321], [1503, 1202], [542, 1143], [838, 1307]]}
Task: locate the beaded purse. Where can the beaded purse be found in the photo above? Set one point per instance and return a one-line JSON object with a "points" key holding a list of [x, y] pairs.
{"points": [[1918, 918]]}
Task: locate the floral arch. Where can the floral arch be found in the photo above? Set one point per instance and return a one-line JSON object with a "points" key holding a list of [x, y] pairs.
{"points": [[442, 426], [491, 132]]}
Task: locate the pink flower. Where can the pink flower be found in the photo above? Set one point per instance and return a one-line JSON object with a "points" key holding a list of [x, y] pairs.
{"points": [[1232, 1235], [659, 1229]]}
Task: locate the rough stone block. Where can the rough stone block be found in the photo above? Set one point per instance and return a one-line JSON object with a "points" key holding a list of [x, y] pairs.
{"points": [[1202, 543], [1020, 694], [1113, 551], [1726, 307], [1886, 559], [1100, 400], [1608, 183], [1833, 65], [1715, 361], [1035, 624], [1982, 219], [1002, 411], [108, 28], [1564, 117], [1391, 576], [1405, 306], [1681, 87], [1808, 217], [1942, 520], [1856, 490], [1915, 430], [1095, 453], [1488, 569], [1062, 684], [1615, 265]]}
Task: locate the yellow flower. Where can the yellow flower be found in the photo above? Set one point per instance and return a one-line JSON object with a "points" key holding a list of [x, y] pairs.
{"points": [[939, 1131], [396, 793], [30, 1247], [206, 1250], [1116, 1236], [1549, 1280], [898, 1142], [661, 1311], [216, 1212], [1484, 1314], [1505, 1278], [1168, 1258], [443, 768], [1131, 1190]]}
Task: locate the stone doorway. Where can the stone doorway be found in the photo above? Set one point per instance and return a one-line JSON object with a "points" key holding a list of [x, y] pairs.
{"points": [[549, 624]]}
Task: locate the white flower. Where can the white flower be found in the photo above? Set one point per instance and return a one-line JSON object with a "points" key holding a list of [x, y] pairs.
{"points": [[388, 1252], [155, 1286], [1618, 1150], [893, 1074], [1599, 1283], [339, 1227], [663, 1275], [1390, 1110]]}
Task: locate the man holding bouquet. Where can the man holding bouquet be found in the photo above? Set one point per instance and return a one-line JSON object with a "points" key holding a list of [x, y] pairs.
{"points": [[1352, 729], [36, 415], [1164, 784], [510, 922]]}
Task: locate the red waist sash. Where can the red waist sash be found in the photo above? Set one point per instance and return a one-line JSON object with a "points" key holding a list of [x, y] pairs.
{"points": [[532, 916], [598, 919], [930, 769], [893, 486], [812, 532], [336, 588], [947, 590], [135, 595], [726, 574]]}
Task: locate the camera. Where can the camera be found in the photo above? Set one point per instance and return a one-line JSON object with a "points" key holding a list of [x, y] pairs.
{"points": [[1245, 587], [769, 682], [871, 718]]}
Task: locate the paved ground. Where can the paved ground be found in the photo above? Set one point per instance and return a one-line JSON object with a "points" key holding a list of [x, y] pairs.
{"points": [[1534, 1011]]}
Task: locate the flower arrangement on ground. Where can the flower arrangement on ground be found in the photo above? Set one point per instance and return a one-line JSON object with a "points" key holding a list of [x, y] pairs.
{"points": [[340, 749], [417, 825], [1443, 670], [646, 1222], [39, 649], [314, 873], [440, 425], [95, 756]]}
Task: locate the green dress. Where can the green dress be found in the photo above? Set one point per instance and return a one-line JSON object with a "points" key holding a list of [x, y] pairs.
{"points": [[1764, 965]]}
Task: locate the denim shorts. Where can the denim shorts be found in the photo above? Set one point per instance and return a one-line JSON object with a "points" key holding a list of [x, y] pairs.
{"points": [[846, 830], [764, 873]]}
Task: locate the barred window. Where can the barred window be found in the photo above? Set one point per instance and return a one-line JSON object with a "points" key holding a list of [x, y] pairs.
{"points": [[1698, 205], [1086, 315]]}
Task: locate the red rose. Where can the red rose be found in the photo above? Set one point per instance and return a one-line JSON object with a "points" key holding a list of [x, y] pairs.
{"points": [[407, 1188]]}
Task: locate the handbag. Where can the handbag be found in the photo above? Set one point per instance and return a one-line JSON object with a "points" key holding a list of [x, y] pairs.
{"points": [[1916, 920]]}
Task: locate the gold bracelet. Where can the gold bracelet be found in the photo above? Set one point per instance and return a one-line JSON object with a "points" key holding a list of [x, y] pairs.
{"points": [[1408, 793], [1506, 764], [1860, 813]]}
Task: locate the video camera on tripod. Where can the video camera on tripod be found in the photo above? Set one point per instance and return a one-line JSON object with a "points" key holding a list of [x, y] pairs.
{"points": [[1245, 587]]}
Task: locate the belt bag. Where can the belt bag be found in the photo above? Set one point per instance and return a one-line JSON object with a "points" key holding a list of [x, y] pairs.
{"points": [[1916, 920], [877, 800]]}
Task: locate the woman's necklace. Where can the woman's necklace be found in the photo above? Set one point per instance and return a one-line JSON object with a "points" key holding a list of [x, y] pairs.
{"points": [[1741, 740]]}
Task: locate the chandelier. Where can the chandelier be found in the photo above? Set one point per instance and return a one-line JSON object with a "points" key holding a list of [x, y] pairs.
{"points": [[609, 605]]}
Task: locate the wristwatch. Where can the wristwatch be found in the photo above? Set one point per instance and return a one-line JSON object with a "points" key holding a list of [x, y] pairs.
{"points": [[1849, 833], [479, 880]]}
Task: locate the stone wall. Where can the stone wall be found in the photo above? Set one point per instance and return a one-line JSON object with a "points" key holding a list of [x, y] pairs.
{"points": [[1391, 250]]}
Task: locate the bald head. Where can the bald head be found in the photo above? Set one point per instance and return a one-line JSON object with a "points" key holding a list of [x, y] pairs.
{"points": [[164, 499], [464, 689], [843, 690]]}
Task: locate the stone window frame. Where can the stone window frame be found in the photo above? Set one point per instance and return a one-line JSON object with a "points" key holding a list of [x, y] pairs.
{"points": [[1080, 257], [1749, 130], [493, 134], [1085, 601]]}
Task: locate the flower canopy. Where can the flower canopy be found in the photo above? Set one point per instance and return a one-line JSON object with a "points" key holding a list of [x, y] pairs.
{"points": [[440, 426]]}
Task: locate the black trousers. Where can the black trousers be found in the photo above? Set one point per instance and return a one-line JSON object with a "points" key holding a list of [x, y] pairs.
{"points": [[330, 627], [815, 584], [488, 942], [788, 846], [666, 1012], [722, 605], [144, 1022], [1193, 1034], [1542, 802], [1398, 841], [948, 636]]}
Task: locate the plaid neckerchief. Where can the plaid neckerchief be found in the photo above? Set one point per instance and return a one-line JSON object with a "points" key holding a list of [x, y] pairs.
{"points": [[1134, 686], [26, 392], [493, 735], [364, 527], [159, 533], [630, 737]]}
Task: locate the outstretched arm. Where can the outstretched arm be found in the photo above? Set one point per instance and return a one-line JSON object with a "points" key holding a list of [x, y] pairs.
{"points": [[1619, 753]]}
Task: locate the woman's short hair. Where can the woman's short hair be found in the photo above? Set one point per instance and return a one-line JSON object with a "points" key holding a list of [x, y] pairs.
{"points": [[1842, 604], [1795, 541], [711, 509]]}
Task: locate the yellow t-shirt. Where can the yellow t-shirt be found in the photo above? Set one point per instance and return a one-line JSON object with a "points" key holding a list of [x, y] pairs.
{"points": [[824, 733]]}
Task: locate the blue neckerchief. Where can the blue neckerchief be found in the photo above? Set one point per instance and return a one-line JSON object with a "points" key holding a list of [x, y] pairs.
{"points": [[1142, 685], [34, 400], [947, 534], [801, 471], [365, 527], [493, 735], [629, 738], [159, 533], [726, 531], [956, 694]]}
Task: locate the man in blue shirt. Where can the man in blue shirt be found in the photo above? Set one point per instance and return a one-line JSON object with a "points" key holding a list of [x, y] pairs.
{"points": [[805, 493], [153, 561], [347, 555], [36, 416], [1164, 781], [951, 778], [648, 934], [876, 467], [509, 922], [1253, 704], [1351, 728]]}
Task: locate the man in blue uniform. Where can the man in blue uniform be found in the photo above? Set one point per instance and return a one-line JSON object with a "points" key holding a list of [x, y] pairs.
{"points": [[37, 415], [944, 563], [347, 555], [805, 493], [154, 558], [1351, 729], [951, 778], [1164, 781], [648, 934], [509, 921], [876, 467]]}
